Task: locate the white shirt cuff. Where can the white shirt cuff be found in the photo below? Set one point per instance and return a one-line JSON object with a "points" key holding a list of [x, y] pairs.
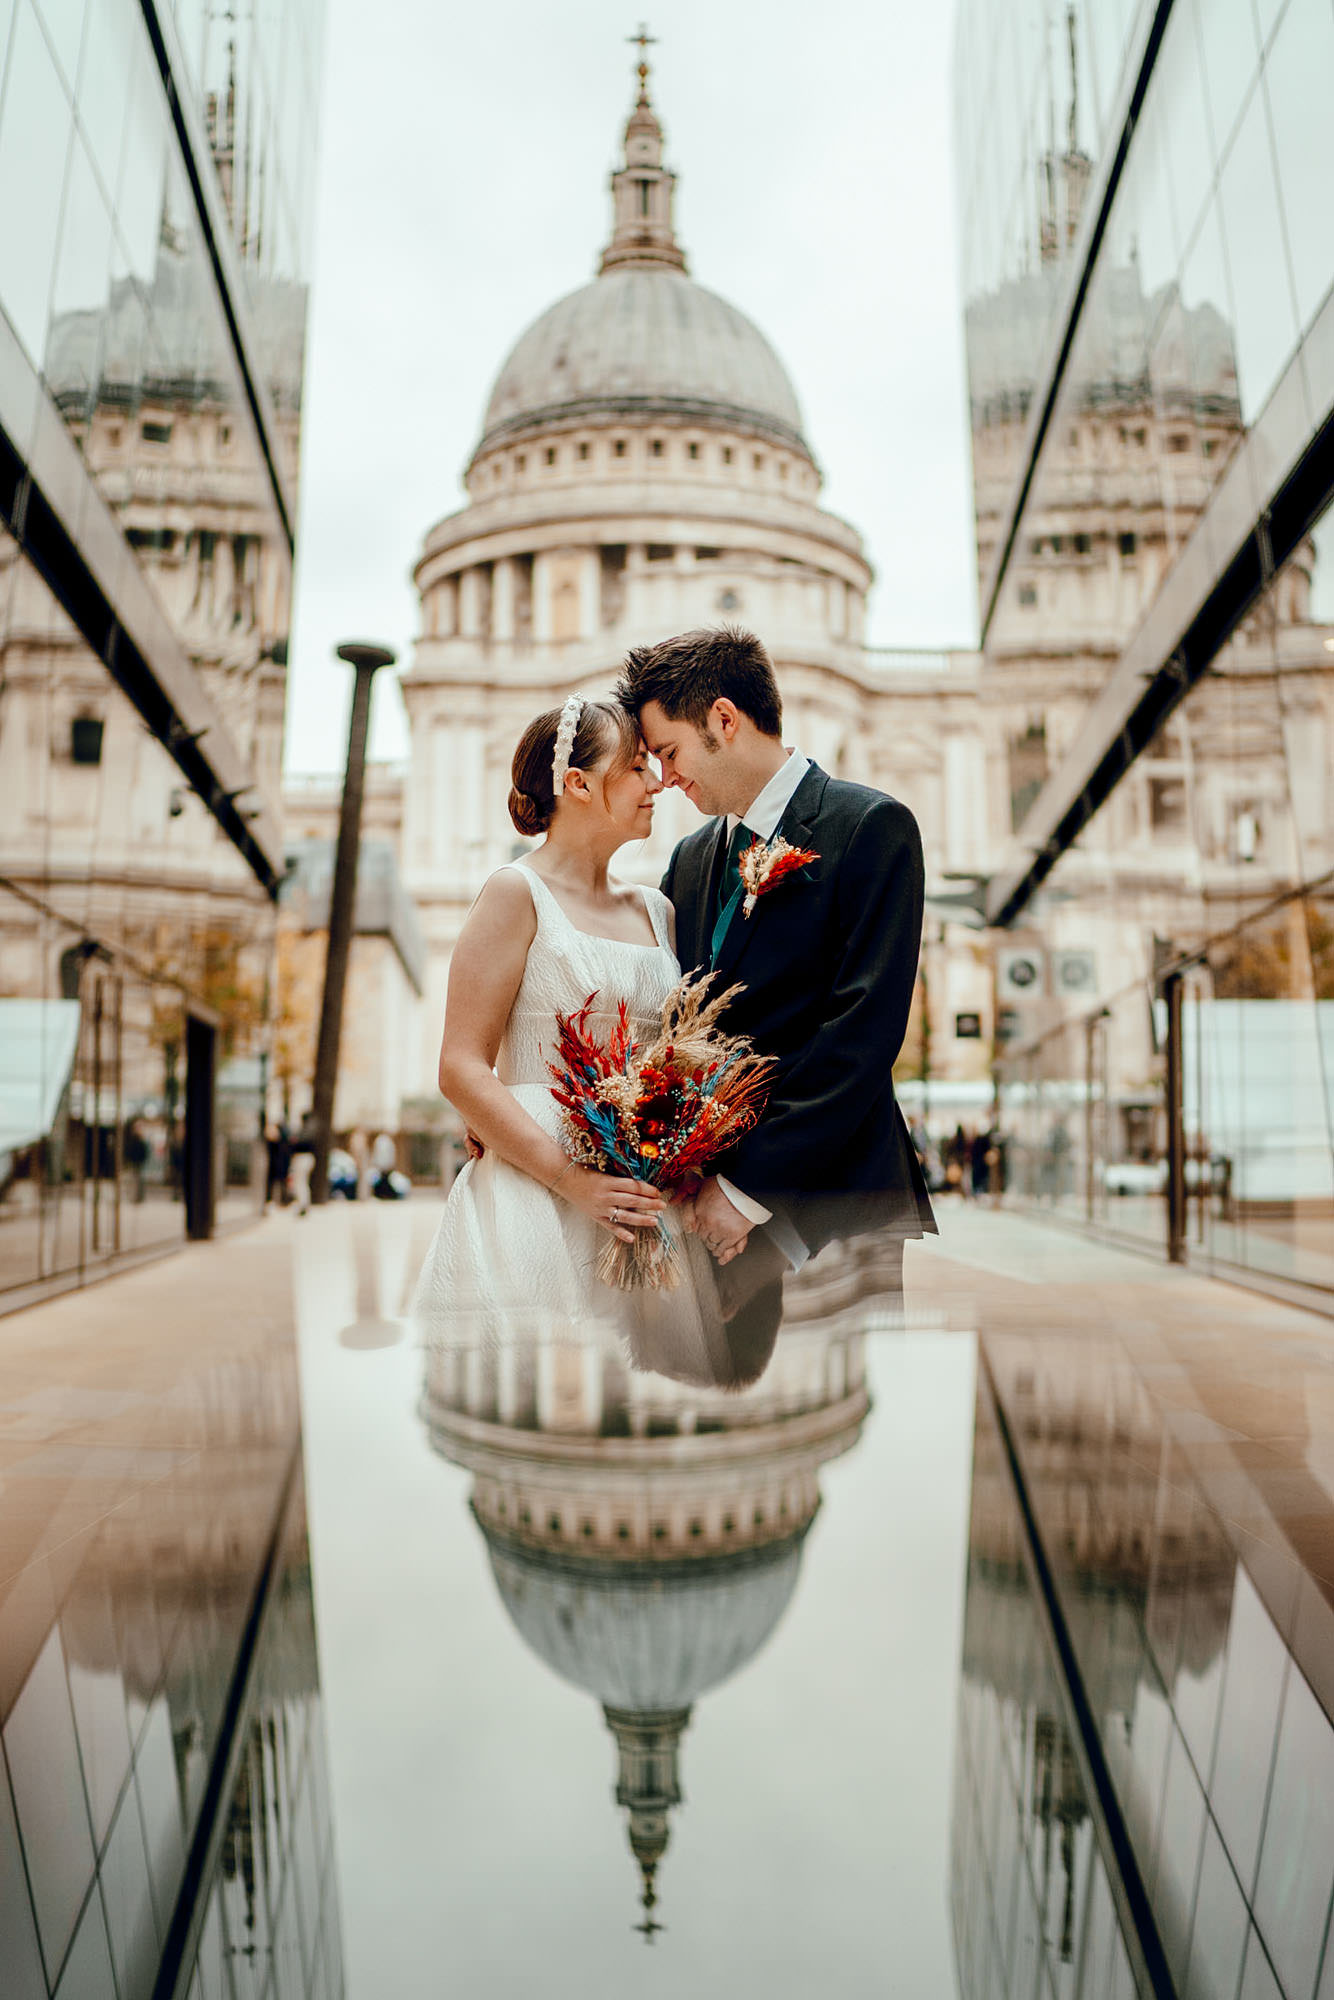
{"points": [[785, 1238], [753, 1212], [781, 1232]]}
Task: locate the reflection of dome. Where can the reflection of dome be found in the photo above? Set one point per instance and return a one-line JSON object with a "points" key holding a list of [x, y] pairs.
{"points": [[640, 1636], [1127, 336], [644, 342], [647, 1639], [646, 1534], [149, 339]]}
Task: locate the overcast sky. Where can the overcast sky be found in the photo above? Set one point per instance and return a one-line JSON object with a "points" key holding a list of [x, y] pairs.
{"points": [[465, 156]]}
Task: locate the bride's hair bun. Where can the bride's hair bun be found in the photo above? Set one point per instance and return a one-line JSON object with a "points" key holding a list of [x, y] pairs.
{"points": [[528, 816]]}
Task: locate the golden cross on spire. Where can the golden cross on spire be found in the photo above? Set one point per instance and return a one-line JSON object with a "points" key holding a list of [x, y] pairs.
{"points": [[643, 41]]}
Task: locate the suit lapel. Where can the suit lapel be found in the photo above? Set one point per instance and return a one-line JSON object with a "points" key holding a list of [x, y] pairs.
{"points": [[796, 827], [799, 819]]}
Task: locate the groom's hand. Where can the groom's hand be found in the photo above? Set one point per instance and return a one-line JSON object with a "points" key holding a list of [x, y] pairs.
{"points": [[724, 1229]]}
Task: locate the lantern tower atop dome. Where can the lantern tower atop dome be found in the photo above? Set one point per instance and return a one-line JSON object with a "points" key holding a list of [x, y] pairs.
{"points": [[643, 190]]}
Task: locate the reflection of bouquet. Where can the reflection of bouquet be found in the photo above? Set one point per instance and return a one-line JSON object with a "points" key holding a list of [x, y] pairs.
{"points": [[658, 1114]]}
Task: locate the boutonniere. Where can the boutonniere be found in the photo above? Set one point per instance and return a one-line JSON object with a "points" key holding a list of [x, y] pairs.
{"points": [[765, 863]]}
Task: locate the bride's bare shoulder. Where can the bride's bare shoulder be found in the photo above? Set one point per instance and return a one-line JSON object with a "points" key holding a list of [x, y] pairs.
{"points": [[504, 903]]}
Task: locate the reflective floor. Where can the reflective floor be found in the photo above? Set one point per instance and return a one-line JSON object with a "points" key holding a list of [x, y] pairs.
{"points": [[982, 1647], [604, 1652]]}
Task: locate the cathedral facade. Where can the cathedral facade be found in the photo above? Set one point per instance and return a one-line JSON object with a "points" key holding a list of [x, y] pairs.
{"points": [[643, 468]]}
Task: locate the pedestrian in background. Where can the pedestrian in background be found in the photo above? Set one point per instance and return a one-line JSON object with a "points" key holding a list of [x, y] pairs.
{"points": [[384, 1159], [278, 1145], [303, 1164], [979, 1164], [360, 1148]]}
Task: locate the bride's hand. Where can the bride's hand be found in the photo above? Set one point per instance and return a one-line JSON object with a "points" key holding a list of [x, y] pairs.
{"points": [[622, 1206]]}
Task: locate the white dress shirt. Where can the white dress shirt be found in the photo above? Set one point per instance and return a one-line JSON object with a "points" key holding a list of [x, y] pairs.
{"points": [[762, 817], [766, 809]]}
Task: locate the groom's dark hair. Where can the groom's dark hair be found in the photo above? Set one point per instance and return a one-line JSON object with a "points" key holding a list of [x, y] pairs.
{"points": [[686, 675]]}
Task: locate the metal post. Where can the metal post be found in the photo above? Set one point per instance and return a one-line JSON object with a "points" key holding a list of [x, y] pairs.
{"points": [[118, 1150], [366, 659], [199, 1152], [924, 1059], [97, 1115], [994, 1188], [1176, 1124], [1090, 1131], [260, 1151]]}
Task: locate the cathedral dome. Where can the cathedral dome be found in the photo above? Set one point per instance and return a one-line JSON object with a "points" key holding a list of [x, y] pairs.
{"points": [[644, 341], [645, 1637]]}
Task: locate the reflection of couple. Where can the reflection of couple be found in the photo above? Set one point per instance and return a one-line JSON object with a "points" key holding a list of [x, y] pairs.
{"points": [[826, 960]]}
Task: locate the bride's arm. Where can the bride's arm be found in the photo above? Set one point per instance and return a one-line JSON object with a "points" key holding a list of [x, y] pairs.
{"points": [[485, 974]]}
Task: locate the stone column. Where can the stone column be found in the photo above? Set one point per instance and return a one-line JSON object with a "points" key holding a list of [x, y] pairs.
{"points": [[470, 798], [590, 594], [636, 600], [507, 1385], [965, 782], [502, 600], [470, 604], [541, 599], [441, 806], [476, 1385]]}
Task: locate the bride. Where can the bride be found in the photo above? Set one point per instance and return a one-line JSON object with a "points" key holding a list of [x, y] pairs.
{"points": [[517, 1247]]}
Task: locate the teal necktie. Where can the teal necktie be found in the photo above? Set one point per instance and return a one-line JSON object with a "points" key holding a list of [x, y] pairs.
{"points": [[729, 886]]}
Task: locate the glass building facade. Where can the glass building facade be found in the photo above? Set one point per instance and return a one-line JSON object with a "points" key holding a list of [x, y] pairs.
{"points": [[165, 1820], [1144, 1754], [156, 179], [1150, 339]]}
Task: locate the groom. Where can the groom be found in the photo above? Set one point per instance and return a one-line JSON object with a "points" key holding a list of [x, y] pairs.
{"points": [[827, 957]]}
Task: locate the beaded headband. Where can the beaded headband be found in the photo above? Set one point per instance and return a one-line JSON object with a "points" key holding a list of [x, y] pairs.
{"points": [[566, 731]]}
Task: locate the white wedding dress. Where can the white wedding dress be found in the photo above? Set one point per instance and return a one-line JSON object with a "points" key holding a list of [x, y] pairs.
{"points": [[511, 1260]]}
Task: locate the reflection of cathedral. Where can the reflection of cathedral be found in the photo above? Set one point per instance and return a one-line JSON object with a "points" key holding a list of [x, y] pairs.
{"points": [[145, 381], [645, 1536], [1114, 415], [98, 826], [1145, 1581], [159, 429]]}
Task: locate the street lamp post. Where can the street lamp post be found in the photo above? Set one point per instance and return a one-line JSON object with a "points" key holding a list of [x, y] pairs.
{"points": [[366, 659]]}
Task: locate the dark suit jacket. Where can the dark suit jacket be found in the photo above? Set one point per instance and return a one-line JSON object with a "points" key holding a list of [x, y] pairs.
{"points": [[828, 961]]}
